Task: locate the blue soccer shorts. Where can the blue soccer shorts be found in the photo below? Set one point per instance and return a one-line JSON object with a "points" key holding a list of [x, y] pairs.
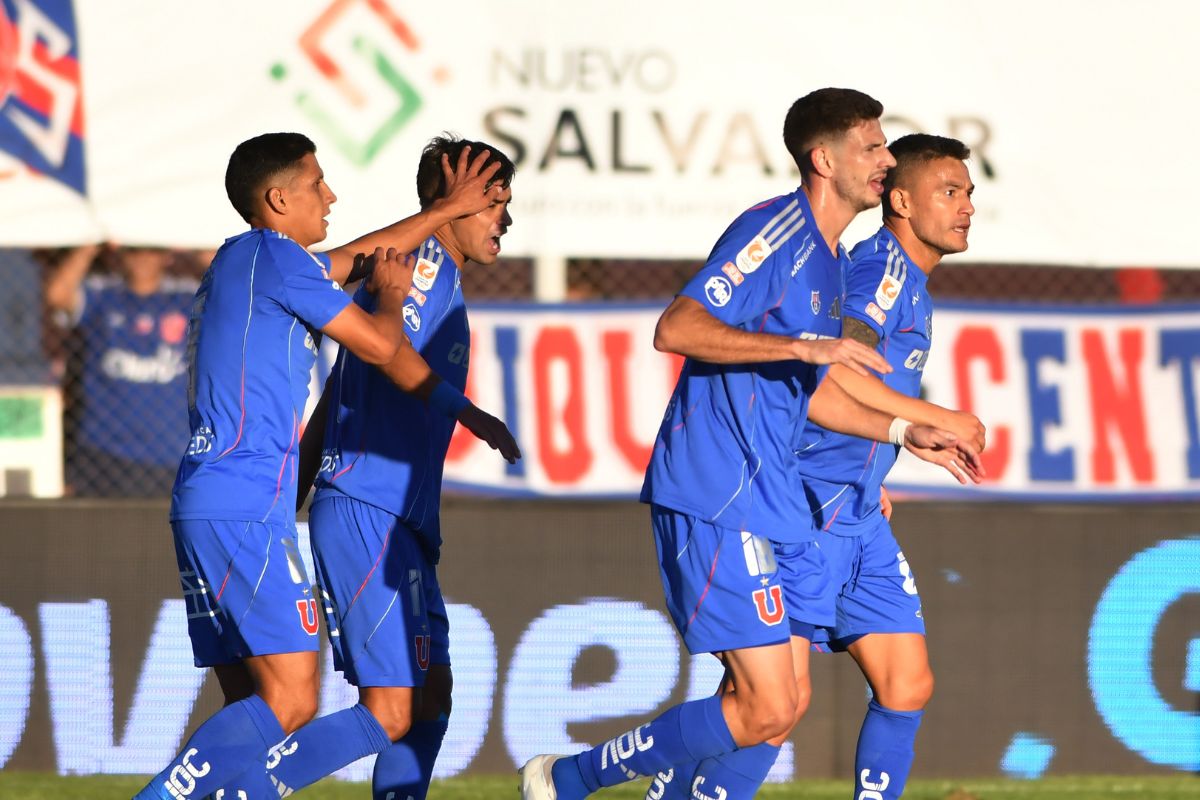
{"points": [[877, 591], [245, 590], [383, 606], [728, 590]]}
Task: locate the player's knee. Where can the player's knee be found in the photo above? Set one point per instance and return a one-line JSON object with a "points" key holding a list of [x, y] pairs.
{"points": [[295, 712], [395, 722], [907, 693], [767, 717]]}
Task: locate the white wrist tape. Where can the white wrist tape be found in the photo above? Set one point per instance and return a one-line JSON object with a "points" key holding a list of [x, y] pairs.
{"points": [[897, 430]]}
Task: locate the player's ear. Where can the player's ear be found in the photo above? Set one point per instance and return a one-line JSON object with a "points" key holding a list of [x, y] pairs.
{"points": [[275, 200], [822, 160], [899, 201]]}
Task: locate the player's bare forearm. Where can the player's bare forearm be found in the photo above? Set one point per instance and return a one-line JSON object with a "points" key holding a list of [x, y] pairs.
{"points": [[687, 329], [405, 236], [469, 190], [411, 373], [832, 407], [310, 449], [873, 392]]}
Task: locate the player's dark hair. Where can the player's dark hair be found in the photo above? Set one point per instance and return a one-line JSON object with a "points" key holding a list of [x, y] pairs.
{"points": [[915, 150], [256, 161], [431, 183], [824, 113]]}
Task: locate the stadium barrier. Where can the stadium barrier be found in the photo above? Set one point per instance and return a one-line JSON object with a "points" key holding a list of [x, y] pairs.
{"points": [[1064, 639]]}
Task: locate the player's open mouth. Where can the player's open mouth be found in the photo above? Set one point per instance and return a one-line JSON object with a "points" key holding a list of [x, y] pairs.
{"points": [[494, 244], [876, 185]]}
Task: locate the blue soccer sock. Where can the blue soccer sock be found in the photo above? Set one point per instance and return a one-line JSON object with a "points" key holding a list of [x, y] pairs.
{"points": [[690, 731], [405, 769], [324, 746], [736, 776], [673, 784], [885, 750], [234, 739]]}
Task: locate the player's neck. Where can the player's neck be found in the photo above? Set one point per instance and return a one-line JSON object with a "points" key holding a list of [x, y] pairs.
{"points": [[830, 212], [446, 239], [918, 252]]}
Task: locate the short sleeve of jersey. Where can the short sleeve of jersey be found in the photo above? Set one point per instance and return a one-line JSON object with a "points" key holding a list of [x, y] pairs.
{"points": [[740, 280], [309, 292], [873, 285]]}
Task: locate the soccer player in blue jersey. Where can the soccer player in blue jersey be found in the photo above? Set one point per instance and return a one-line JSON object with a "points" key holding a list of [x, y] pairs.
{"points": [[379, 436], [736, 549], [927, 213], [255, 323]]}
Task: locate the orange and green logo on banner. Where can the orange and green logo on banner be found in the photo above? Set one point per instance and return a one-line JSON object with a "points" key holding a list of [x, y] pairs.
{"points": [[351, 143]]}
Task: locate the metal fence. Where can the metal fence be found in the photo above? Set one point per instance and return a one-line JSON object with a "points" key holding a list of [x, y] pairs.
{"points": [[114, 363]]}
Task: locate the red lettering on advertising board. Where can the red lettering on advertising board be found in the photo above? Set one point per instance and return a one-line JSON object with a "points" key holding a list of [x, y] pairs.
{"points": [[570, 463], [1118, 407], [976, 343]]}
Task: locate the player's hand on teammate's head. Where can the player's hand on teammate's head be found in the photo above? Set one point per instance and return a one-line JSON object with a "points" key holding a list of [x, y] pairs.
{"points": [[391, 271], [847, 352], [469, 189], [491, 430], [959, 458]]}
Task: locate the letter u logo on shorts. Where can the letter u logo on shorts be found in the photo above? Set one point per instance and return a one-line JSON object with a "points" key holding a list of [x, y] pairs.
{"points": [[771, 613], [421, 646], [308, 615]]}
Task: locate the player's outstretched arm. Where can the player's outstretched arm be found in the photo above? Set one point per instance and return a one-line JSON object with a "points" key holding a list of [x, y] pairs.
{"points": [[687, 329], [411, 373], [872, 391], [832, 408], [467, 192], [375, 338]]}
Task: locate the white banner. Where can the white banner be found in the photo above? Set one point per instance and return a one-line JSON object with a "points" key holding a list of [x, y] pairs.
{"points": [[640, 129], [1078, 403]]}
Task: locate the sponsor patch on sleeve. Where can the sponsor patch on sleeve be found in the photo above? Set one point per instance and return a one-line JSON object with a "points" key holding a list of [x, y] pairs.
{"points": [[412, 317], [753, 254], [718, 291], [733, 273], [876, 313], [418, 295], [888, 291], [424, 274]]}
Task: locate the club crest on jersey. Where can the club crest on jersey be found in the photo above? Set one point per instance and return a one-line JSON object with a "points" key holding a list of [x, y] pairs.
{"points": [[733, 273], [418, 295], [815, 301], [888, 291], [425, 273], [308, 615], [412, 317], [769, 604], [753, 254], [876, 313], [718, 291]]}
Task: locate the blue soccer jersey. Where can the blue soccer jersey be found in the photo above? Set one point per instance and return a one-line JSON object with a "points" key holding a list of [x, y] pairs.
{"points": [[384, 446], [842, 474], [133, 378], [726, 450], [252, 341]]}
